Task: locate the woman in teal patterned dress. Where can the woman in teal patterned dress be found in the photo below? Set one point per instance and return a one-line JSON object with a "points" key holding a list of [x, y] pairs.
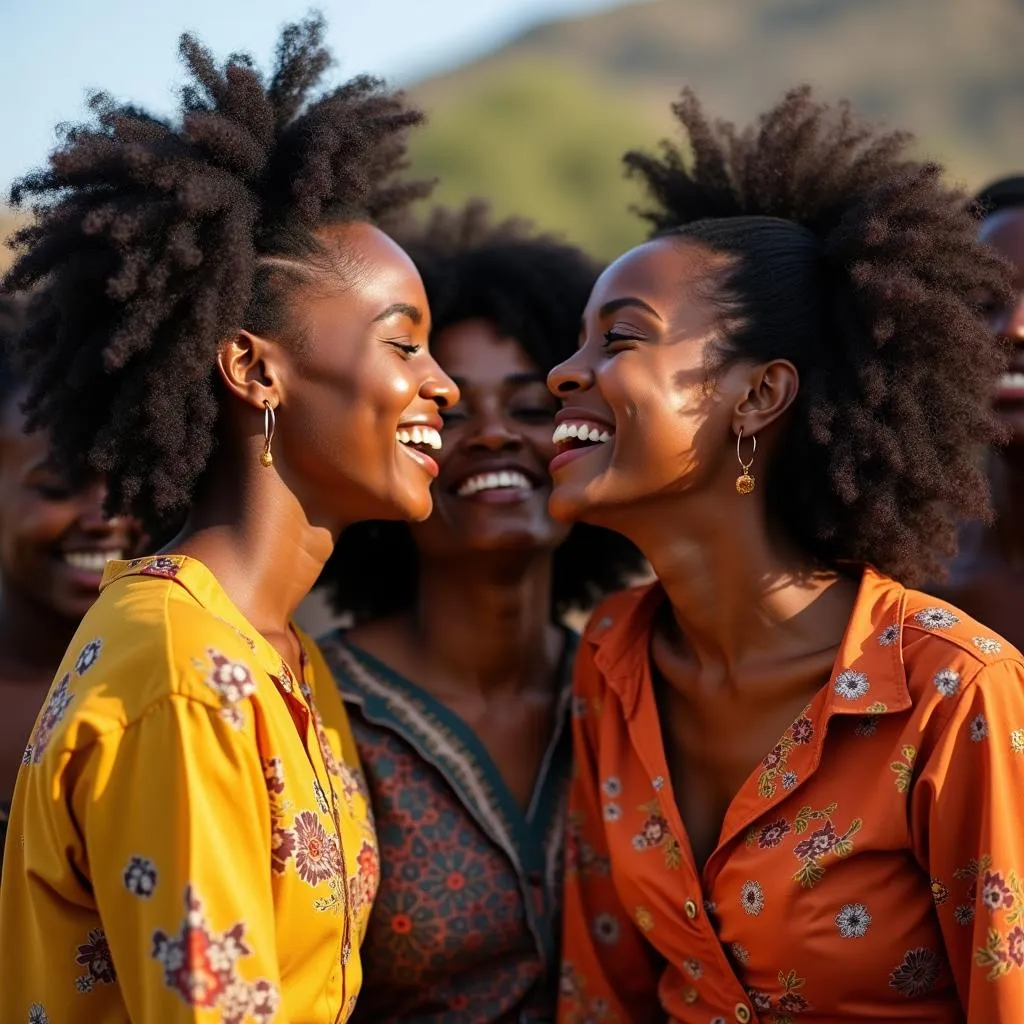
{"points": [[457, 672]]}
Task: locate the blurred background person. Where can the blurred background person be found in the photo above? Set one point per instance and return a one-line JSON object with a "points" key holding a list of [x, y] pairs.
{"points": [[457, 672], [55, 542], [987, 579]]}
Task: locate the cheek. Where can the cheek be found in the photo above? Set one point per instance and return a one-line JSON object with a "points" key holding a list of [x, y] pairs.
{"points": [[30, 526]]}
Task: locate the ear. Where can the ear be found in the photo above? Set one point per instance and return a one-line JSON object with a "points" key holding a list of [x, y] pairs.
{"points": [[251, 367], [772, 387]]}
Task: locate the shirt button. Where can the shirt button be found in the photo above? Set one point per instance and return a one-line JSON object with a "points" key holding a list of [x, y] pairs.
{"points": [[690, 996], [691, 909], [742, 1013]]}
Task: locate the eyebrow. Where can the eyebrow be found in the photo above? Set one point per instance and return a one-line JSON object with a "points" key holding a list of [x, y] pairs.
{"points": [[625, 303], [414, 313]]}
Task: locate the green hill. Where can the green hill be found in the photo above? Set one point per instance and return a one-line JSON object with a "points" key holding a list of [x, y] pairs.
{"points": [[540, 124]]}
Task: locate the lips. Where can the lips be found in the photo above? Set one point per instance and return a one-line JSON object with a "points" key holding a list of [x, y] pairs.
{"points": [[91, 561], [1011, 383]]}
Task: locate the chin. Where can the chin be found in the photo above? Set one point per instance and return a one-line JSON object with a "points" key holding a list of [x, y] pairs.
{"points": [[567, 505]]}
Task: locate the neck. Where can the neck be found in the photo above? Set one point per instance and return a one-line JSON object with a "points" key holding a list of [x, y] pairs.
{"points": [[1005, 538], [253, 534], [737, 595], [33, 637], [487, 622]]}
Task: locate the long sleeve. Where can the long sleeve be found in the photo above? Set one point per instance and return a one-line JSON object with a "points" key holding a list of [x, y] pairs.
{"points": [[176, 826], [968, 833], [609, 971]]}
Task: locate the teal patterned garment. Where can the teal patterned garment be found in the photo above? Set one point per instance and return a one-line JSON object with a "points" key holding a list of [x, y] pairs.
{"points": [[466, 923]]}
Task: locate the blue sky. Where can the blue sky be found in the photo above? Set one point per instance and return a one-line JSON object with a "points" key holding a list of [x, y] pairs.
{"points": [[53, 51]]}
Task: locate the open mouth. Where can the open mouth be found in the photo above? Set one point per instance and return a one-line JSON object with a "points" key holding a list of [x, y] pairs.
{"points": [[416, 441], [1011, 387], [92, 563], [502, 485], [575, 438]]}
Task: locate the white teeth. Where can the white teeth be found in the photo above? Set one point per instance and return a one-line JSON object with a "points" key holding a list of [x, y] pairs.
{"points": [[420, 435], [91, 561], [582, 432], [494, 481], [1012, 380]]}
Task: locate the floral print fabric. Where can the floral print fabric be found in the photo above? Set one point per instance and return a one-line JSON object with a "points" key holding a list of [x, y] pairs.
{"points": [[871, 868], [188, 842], [465, 928]]}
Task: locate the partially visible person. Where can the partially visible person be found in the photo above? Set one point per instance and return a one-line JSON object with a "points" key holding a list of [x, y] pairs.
{"points": [[457, 674], [987, 579], [223, 330], [800, 779], [55, 542]]}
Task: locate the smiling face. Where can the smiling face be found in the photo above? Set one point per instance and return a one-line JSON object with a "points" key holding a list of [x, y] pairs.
{"points": [[359, 427], [645, 381], [493, 488], [1005, 231], [54, 540]]}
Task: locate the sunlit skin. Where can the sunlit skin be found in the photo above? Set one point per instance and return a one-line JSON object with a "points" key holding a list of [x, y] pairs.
{"points": [[480, 637], [751, 625], [988, 579], [53, 540], [360, 372]]}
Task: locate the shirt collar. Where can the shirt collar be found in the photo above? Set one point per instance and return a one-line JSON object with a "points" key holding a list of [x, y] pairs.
{"points": [[868, 676], [201, 584]]}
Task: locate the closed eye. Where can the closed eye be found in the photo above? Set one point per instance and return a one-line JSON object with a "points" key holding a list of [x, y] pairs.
{"points": [[614, 337], [405, 347]]}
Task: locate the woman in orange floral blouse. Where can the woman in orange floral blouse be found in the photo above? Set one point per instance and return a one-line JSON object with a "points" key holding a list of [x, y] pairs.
{"points": [[798, 784]]}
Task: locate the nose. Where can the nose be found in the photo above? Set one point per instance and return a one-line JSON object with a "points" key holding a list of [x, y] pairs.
{"points": [[572, 375], [91, 514], [438, 387], [492, 431], [1013, 327]]}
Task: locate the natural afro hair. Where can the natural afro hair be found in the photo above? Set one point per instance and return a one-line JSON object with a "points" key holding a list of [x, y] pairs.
{"points": [[13, 309], [154, 241], [528, 286], [860, 266]]}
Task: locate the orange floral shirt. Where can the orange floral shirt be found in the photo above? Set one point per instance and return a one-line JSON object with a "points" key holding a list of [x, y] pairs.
{"points": [[872, 867]]}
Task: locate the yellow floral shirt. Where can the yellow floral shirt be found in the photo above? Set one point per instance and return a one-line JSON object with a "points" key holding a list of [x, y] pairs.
{"points": [[173, 851]]}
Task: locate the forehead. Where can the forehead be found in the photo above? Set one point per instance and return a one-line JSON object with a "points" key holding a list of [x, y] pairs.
{"points": [[19, 451], [373, 265], [661, 272], [473, 351], [1005, 231]]}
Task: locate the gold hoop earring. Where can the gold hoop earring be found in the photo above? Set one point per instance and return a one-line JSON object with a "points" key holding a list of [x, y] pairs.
{"points": [[269, 422], [745, 482]]}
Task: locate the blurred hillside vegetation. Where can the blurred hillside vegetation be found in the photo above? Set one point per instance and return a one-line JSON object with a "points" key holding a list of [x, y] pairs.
{"points": [[539, 125]]}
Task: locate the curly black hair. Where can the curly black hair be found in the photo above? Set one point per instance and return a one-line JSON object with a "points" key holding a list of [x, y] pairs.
{"points": [[531, 287], [13, 317], [1003, 194], [860, 266], [154, 241]]}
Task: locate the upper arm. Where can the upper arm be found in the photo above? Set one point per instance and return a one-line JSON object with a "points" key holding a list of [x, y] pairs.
{"points": [[607, 962], [174, 816], [967, 813]]}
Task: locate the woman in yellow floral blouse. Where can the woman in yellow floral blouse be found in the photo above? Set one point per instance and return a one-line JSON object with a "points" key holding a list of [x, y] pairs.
{"points": [[223, 332]]}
